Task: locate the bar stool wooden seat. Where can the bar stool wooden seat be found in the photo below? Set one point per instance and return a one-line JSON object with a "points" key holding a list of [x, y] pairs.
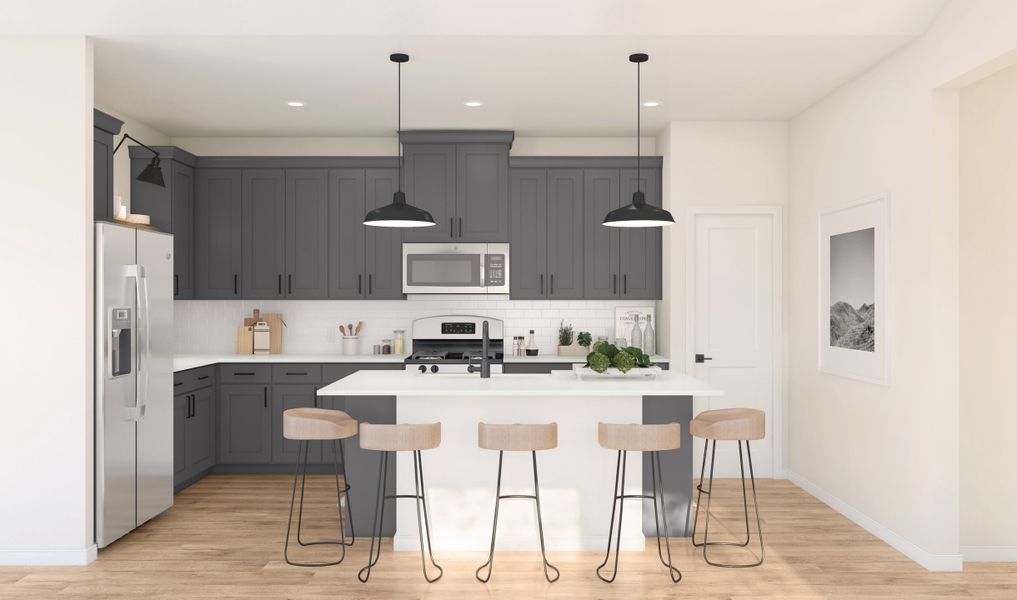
{"points": [[318, 424], [639, 438], [731, 424], [401, 438], [518, 438]]}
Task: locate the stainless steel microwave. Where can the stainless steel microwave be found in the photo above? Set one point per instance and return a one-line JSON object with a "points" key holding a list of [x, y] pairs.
{"points": [[455, 268]]}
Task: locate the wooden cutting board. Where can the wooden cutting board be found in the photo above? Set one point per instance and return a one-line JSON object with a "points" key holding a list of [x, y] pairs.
{"points": [[245, 339], [275, 326]]}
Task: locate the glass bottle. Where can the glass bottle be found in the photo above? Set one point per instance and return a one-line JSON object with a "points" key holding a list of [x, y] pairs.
{"points": [[636, 336], [399, 342], [649, 338], [532, 343]]}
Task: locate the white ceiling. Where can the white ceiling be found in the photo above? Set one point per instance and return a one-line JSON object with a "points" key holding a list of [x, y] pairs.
{"points": [[561, 72]]}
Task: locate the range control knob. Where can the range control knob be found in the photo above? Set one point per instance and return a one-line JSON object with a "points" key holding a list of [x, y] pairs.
{"points": [[434, 368], [422, 369]]}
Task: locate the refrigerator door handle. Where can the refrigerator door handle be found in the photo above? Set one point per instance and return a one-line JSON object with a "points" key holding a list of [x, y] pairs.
{"points": [[137, 273]]}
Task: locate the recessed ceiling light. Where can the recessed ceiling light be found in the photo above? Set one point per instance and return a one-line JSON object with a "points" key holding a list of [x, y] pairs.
{"points": [[473, 103], [651, 103], [295, 103]]}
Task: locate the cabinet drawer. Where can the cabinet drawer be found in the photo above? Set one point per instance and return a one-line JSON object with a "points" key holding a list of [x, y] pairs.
{"points": [[296, 373], [245, 373], [192, 379]]}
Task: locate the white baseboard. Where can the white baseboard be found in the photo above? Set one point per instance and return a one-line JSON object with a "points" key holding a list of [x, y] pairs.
{"points": [[932, 562], [29, 558], [989, 553]]}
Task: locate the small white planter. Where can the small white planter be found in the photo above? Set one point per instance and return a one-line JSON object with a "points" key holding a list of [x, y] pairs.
{"points": [[351, 345], [584, 372]]}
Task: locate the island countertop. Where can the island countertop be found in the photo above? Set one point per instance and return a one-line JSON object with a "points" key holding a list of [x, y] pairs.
{"points": [[558, 383]]}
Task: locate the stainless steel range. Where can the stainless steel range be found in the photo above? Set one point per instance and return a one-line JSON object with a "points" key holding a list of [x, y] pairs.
{"points": [[453, 344]]}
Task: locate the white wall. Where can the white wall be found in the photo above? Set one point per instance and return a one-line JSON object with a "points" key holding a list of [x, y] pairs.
{"points": [[46, 253], [988, 321], [887, 457], [122, 159]]}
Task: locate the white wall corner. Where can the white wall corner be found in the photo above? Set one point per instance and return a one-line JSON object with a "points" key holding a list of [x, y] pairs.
{"points": [[32, 558], [929, 560]]}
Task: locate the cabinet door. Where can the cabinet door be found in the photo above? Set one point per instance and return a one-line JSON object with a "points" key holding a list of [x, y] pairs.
{"points": [[640, 248], [264, 233], [181, 409], [528, 262], [346, 212], [182, 200], [430, 183], [482, 193], [200, 432], [285, 397], [102, 175], [601, 194], [565, 234], [383, 264], [218, 247], [245, 426], [306, 233]]}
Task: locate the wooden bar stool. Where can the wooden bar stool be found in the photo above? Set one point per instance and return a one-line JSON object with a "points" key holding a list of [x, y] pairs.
{"points": [[401, 438], [517, 438], [731, 424], [639, 438], [319, 424]]}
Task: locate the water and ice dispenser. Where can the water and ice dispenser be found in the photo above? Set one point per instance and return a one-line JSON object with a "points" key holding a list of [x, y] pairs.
{"points": [[120, 348]]}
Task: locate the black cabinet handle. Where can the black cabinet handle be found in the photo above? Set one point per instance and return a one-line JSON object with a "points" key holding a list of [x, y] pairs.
{"points": [[176, 284], [541, 284], [265, 395], [178, 384], [203, 378], [625, 284], [289, 283], [552, 284], [460, 227], [189, 396], [296, 372], [194, 405], [370, 284], [360, 284], [315, 396], [248, 373], [614, 284], [279, 283], [235, 278], [451, 227]]}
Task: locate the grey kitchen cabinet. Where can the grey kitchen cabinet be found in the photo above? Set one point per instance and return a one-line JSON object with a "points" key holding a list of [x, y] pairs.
{"points": [[245, 424], [306, 234], [285, 397], [218, 247], [364, 262], [181, 410], [640, 248], [171, 208], [200, 431], [565, 234], [482, 193], [429, 172], [263, 218], [601, 194], [529, 241], [104, 128], [535, 367]]}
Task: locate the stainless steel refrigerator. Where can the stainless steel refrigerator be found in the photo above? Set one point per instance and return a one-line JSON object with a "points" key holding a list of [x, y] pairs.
{"points": [[133, 378]]}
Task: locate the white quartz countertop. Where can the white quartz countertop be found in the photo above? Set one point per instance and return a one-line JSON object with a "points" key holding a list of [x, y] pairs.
{"points": [[182, 362], [560, 383], [554, 358]]}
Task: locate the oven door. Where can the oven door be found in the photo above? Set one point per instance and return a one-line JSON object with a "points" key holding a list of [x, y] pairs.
{"points": [[444, 268]]}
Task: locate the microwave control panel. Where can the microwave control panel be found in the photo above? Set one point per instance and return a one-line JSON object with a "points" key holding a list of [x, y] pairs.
{"points": [[494, 270]]}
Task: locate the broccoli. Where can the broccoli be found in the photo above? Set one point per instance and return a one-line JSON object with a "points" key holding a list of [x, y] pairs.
{"points": [[598, 362], [623, 361]]}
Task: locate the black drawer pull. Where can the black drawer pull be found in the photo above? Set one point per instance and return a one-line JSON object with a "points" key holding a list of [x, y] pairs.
{"points": [[178, 384], [279, 283], [203, 378], [242, 373], [265, 396], [296, 372], [235, 291], [289, 284]]}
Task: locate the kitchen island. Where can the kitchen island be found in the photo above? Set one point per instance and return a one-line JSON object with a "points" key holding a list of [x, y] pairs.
{"points": [[576, 478]]}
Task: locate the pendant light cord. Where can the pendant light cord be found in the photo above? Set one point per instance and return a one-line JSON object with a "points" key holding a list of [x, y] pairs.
{"points": [[639, 112], [399, 120]]}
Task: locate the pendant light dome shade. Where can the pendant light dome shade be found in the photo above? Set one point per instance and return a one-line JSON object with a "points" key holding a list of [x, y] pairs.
{"points": [[399, 213], [638, 213], [152, 174]]}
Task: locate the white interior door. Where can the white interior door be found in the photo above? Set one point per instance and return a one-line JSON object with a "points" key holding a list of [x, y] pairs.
{"points": [[734, 274]]}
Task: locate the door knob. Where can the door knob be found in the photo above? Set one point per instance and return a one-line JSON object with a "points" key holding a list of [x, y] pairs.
{"points": [[701, 358]]}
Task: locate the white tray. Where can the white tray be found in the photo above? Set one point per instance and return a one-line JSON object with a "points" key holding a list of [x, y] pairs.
{"points": [[584, 372]]}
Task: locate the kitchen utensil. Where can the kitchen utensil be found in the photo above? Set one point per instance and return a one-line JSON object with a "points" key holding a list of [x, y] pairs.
{"points": [[245, 339], [250, 321], [360, 325], [342, 330]]}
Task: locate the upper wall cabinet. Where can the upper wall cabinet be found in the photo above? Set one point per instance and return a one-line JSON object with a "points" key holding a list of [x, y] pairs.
{"points": [[461, 178], [171, 208], [218, 246], [263, 210], [104, 128], [306, 233]]}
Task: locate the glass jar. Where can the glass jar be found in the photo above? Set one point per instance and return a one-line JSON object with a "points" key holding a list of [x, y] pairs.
{"points": [[398, 342], [386, 346]]}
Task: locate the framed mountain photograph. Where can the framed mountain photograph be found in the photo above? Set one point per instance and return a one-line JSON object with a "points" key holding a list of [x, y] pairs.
{"points": [[853, 265]]}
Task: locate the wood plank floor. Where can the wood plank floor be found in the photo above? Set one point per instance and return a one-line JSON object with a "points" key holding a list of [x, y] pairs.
{"points": [[223, 539]]}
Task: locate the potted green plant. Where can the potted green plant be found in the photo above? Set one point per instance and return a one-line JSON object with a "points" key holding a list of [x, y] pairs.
{"points": [[567, 341]]}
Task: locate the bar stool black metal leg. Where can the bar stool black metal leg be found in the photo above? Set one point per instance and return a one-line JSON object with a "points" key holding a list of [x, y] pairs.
{"points": [[620, 505], [423, 523], [658, 488], [346, 491], [340, 494], [540, 526], [379, 515], [301, 472], [494, 529], [699, 490], [706, 543]]}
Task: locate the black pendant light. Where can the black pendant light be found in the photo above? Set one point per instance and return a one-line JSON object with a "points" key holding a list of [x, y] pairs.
{"points": [[152, 173], [399, 214], [638, 213]]}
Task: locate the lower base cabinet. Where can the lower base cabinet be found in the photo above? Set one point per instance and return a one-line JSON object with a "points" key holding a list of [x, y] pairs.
{"points": [[193, 434], [245, 426], [285, 397]]}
